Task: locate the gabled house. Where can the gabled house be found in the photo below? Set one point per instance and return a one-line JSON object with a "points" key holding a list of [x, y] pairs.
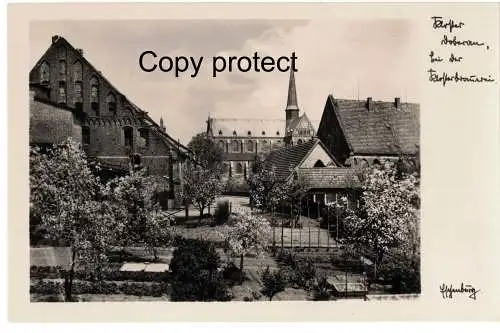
{"points": [[317, 170], [369, 132]]}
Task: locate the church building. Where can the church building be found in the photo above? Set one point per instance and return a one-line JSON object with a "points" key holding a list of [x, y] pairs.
{"points": [[69, 97], [243, 139]]}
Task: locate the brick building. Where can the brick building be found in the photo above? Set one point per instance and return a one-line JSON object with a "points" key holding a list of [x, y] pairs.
{"points": [[368, 132], [69, 97], [243, 139]]}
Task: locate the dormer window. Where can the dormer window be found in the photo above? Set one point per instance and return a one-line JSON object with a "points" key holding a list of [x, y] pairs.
{"points": [[278, 133], [220, 132], [263, 133], [234, 132], [249, 133]]}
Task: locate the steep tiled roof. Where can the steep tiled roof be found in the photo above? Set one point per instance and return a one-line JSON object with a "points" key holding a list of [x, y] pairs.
{"points": [[285, 159], [256, 127], [316, 178], [302, 121], [384, 129]]}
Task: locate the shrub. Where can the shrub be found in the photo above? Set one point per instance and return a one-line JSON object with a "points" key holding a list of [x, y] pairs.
{"points": [[222, 212], [273, 282], [48, 287], [195, 275], [322, 289]]}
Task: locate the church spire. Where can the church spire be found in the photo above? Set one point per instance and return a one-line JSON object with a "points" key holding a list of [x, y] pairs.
{"points": [[292, 94]]}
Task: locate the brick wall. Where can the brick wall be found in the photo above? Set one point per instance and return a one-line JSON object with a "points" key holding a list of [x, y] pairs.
{"points": [[51, 124]]}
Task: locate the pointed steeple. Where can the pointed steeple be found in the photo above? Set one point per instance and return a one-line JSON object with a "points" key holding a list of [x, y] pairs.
{"points": [[291, 103]]}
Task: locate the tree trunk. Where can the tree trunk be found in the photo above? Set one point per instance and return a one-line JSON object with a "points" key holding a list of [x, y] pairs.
{"points": [[241, 267], [68, 281], [186, 211], [201, 213]]}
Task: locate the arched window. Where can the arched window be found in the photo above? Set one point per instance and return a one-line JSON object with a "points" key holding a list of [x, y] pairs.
{"points": [[376, 162], [77, 71], [44, 73], [220, 132], [62, 70], [111, 100], [94, 94], [85, 135], [249, 132], [144, 134], [62, 93], [299, 141], [239, 168], [128, 133], [263, 132], [249, 145], [319, 164], [235, 146], [265, 145], [278, 133], [222, 145], [234, 132], [135, 159]]}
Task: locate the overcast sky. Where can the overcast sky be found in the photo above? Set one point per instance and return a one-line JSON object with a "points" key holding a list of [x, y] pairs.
{"points": [[334, 57]]}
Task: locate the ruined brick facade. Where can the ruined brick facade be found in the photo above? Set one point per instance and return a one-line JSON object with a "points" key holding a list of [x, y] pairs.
{"points": [[70, 97]]}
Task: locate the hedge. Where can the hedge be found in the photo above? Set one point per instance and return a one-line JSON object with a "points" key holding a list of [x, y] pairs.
{"points": [[40, 272], [51, 287]]}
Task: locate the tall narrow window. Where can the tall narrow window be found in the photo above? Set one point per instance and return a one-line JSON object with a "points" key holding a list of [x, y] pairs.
{"points": [[62, 93], [44, 73], [62, 70], [128, 133], [77, 71], [111, 100], [239, 168], [94, 95], [85, 135], [235, 146], [222, 145], [78, 96], [249, 145], [144, 133]]}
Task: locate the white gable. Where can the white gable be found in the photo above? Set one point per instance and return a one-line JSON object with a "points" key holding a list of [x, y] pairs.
{"points": [[317, 153]]}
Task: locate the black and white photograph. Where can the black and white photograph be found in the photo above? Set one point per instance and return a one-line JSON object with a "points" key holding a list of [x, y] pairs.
{"points": [[214, 173], [252, 162]]}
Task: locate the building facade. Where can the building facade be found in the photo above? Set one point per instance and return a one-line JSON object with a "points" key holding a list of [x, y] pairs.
{"points": [[69, 97], [243, 139], [369, 132]]}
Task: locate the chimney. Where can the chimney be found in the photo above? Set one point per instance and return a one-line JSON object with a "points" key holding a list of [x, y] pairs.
{"points": [[397, 102], [80, 51], [369, 103], [55, 38]]}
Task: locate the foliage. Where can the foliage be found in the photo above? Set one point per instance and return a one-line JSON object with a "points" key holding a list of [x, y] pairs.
{"points": [[144, 222], [322, 289], [273, 282], [55, 287], [201, 186], [248, 234], [69, 202], [195, 275], [269, 193], [207, 153], [222, 212], [389, 218]]}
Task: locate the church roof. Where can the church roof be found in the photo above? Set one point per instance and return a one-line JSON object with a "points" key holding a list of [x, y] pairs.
{"points": [[383, 130], [321, 178], [302, 121], [242, 127]]}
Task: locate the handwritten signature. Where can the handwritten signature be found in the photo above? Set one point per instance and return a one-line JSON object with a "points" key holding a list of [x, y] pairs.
{"points": [[447, 291]]}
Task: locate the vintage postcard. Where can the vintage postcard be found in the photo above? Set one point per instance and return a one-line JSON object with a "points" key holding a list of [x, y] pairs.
{"points": [[253, 162]]}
